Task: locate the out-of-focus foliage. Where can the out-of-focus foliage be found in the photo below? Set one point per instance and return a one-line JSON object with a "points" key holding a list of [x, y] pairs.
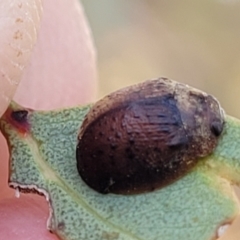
{"points": [[196, 42]]}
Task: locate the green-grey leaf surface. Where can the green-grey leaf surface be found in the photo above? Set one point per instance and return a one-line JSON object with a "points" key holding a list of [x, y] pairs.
{"points": [[43, 158]]}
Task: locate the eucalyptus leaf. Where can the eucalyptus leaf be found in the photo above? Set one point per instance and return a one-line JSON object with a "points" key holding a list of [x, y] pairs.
{"points": [[42, 158]]}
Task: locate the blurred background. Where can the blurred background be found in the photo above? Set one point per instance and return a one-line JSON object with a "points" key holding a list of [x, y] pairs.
{"points": [[192, 41]]}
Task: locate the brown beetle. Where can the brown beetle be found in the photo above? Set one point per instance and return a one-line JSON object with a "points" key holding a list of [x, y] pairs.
{"points": [[146, 136]]}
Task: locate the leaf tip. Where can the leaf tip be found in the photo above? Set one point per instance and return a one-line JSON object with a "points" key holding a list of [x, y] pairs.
{"points": [[18, 118]]}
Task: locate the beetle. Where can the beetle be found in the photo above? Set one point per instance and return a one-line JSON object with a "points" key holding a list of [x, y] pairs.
{"points": [[146, 136]]}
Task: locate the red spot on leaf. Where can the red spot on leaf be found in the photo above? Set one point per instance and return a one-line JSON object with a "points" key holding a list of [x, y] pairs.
{"points": [[18, 119]]}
